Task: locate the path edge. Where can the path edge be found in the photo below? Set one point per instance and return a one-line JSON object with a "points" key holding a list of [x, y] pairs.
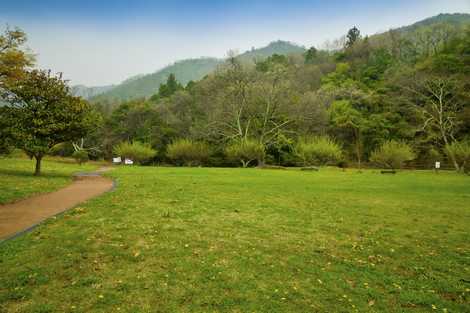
{"points": [[74, 176]]}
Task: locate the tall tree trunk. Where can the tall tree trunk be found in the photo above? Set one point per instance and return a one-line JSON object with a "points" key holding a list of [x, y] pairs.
{"points": [[37, 171], [358, 148]]}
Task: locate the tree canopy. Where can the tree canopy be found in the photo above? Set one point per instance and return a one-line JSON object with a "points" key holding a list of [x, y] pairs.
{"points": [[40, 113]]}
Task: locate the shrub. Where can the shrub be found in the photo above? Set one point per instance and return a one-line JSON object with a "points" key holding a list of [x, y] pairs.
{"points": [[392, 154], [461, 153], [64, 149], [136, 151], [81, 156], [246, 152], [318, 151], [188, 152]]}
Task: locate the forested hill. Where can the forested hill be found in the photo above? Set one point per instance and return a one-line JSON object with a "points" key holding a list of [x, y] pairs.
{"points": [[455, 19], [146, 85], [275, 47], [185, 71]]}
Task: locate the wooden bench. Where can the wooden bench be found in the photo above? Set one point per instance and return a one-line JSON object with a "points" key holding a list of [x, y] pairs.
{"points": [[310, 168]]}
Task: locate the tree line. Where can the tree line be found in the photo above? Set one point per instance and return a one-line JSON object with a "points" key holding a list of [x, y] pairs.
{"points": [[385, 99], [410, 88]]}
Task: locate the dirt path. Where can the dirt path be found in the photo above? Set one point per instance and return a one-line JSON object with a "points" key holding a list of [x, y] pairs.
{"points": [[19, 216]]}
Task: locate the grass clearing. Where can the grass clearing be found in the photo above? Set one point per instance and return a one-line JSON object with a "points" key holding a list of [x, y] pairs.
{"points": [[249, 240], [18, 182]]}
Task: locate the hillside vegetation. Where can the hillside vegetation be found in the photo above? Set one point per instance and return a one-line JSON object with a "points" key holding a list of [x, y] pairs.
{"points": [[147, 85], [185, 71]]}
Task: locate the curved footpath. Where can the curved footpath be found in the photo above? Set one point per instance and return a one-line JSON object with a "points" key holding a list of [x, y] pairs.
{"points": [[23, 215]]}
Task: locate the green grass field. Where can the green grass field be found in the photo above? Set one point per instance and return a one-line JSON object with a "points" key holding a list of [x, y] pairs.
{"points": [[250, 240], [17, 181]]}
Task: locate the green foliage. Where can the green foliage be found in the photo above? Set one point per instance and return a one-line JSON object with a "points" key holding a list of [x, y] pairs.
{"points": [[246, 151], [136, 151], [81, 156], [392, 154], [276, 47], [352, 36], [144, 86], [14, 60], [41, 113], [310, 55], [7, 144], [188, 152], [461, 152], [271, 63], [169, 88], [63, 149], [318, 151]]}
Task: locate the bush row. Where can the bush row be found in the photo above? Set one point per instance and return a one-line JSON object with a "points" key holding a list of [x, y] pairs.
{"points": [[311, 151]]}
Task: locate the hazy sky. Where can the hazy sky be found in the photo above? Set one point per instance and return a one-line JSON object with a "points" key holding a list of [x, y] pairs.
{"points": [[97, 42]]}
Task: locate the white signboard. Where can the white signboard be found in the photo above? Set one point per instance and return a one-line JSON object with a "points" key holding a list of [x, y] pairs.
{"points": [[117, 160], [128, 162], [438, 165]]}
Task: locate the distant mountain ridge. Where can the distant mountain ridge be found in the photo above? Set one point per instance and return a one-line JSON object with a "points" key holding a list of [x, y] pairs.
{"points": [[145, 85], [195, 69], [455, 19], [275, 47], [89, 92]]}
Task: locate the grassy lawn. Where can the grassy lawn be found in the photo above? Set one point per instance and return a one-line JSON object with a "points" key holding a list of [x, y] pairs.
{"points": [[17, 180], [250, 240]]}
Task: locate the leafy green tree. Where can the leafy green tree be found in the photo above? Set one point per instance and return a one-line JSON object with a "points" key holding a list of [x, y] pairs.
{"points": [[352, 36], [131, 121], [41, 113], [13, 59], [343, 115], [169, 88], [13, 63], [270, 63], [310, 55]]}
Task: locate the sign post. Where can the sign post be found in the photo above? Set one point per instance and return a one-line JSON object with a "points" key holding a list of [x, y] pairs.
{"points": [[437, 166]]}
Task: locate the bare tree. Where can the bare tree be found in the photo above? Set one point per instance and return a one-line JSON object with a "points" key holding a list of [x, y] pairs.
{"points": [[248, 104], [438, 103]]}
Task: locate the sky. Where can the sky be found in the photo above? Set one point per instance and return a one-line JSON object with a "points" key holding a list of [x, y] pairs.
{"points": [[99, 42]]}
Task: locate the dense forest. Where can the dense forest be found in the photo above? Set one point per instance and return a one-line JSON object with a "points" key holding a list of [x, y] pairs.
{"points": [[409, 85], [407, 89]]}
